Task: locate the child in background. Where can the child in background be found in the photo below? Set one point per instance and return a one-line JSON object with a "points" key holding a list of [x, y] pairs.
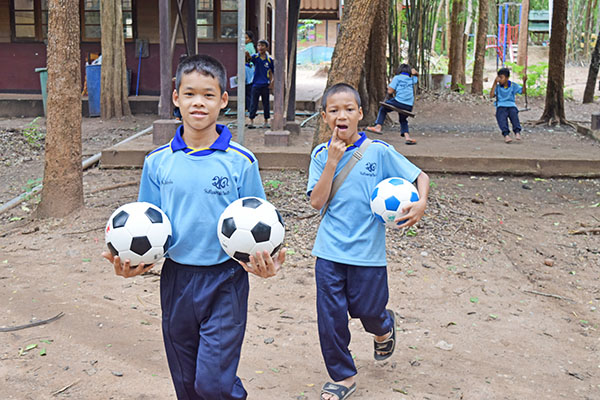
{"points": [[506, 109], [263, 79], [249, 67], [402, 89], [350, 269]]}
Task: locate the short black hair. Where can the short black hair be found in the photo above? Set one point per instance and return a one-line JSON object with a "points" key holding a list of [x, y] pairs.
{"points": [[338, 88], [205, 65], [504, 71], [406, 68], [250, 35], [265, 42]]}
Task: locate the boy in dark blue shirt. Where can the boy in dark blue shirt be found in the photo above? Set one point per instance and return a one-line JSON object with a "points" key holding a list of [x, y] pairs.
{"points": [[204, 293], [504, 90], [263, 79]]}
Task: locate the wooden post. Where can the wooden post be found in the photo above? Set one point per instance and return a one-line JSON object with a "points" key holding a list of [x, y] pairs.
{"points": [[192, 35], [166, 84], [294, 12], [595, 122], [280, 62]]}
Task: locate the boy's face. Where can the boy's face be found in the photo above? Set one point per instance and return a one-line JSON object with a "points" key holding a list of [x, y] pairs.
{"points": [[262, 49], [502, 79], [343, 112], [199, 99]]}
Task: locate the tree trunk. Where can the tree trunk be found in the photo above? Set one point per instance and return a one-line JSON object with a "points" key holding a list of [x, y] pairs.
{"points": [[114, 89], [523, 35], [62, 191], [480, 42], [587, 28], [435, 27], [350, 49], [590, 86], [456, 59], [554, 110], [448, 35], [375, 64]]}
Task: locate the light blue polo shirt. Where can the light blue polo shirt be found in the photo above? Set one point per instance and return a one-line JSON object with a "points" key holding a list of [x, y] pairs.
{"points": [[403, 85], [193, 187], [505, 96], [349, 233]]}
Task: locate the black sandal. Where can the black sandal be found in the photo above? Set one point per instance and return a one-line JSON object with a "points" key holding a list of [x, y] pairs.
{"points": [[342, 392], [388, 345]]}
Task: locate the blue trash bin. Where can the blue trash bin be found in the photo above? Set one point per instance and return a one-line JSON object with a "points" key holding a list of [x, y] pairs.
{"points": [[92, 73]]}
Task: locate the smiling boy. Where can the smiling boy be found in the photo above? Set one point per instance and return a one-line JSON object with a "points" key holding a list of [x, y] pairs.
{"points": [[204, 293], [350, 269]]}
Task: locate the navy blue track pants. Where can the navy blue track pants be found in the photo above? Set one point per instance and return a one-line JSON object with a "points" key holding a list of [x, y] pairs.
{"points": [[503, 114], [343, 289], [383, 112], [204, 312]]}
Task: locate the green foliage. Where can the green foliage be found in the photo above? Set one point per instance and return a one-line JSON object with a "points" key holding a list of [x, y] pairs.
{"points": [[537, 77], [307, 30], [33, 134]]}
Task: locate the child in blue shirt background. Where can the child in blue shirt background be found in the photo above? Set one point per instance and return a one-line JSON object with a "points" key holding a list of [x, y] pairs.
{"points": [[350, 269], [402, 88], [506, 109], [250, 49], [203, 292], [263, 80]]}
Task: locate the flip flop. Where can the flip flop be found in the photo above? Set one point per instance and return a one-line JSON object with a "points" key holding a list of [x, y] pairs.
{"points": [[388, 345], [371, 129], [342, 392], [410, 141]]}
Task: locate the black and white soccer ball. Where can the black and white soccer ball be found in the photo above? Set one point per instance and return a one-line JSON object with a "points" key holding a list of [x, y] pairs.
{"points": [[249, 225], [139, 232]]}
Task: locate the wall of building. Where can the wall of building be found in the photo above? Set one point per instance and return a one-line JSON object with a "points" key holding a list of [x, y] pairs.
{"points": [[19, 60]]}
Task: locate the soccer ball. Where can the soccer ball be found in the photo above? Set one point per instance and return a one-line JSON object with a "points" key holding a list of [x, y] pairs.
{"points": [[139, 232], [388, 198], [249, 225]]}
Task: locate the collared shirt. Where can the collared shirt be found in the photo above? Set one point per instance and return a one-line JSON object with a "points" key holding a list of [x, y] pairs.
{"points": [[403, 85], [193, 187], [263, 69], [505, 96], [349, 233]]}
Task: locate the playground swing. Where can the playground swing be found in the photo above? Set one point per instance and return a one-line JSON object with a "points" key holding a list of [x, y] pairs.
{"points": [[507, 39]]}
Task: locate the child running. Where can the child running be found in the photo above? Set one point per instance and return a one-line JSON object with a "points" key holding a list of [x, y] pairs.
{"points": [[350, 270], [401, 88], [203, 292], [506, 109]]}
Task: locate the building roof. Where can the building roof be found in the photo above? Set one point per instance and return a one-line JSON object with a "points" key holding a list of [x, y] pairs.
{"points": [[319, 9]]}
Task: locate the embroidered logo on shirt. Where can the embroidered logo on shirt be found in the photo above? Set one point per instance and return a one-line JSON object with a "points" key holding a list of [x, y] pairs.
{"points": [[220, 182], [166, 182], [370, 167]]}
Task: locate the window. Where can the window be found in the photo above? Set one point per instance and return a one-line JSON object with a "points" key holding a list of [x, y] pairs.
{"points": [[30, 20], [91, 20], [217, 19]]}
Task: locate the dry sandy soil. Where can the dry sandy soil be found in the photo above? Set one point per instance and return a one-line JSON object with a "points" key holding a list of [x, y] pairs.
{"points": [[497, 290]]}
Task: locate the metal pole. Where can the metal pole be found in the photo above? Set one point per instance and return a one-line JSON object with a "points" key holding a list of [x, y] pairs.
{"points": [[498, 37], [505, 33], [241, 71], [280, 63]]}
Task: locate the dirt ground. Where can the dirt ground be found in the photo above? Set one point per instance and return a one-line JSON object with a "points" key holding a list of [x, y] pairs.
{"points": [[497, 288]]}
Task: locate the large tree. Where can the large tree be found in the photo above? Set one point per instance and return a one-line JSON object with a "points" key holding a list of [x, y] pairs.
{"points": [[554, 109], [114, 89], [456, 64], [62, 191], [350, 49], [590, 86], [480, 42], [376, 64]]}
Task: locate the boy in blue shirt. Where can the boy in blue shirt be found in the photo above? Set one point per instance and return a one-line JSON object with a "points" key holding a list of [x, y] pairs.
{"points": [[350, 268], [504, 90], [401, 88], [263, 78], [204, 293]]}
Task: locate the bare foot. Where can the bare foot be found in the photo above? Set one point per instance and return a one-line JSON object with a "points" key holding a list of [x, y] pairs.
{"points": [[518, 136], [507, 139], [346, 382]]}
